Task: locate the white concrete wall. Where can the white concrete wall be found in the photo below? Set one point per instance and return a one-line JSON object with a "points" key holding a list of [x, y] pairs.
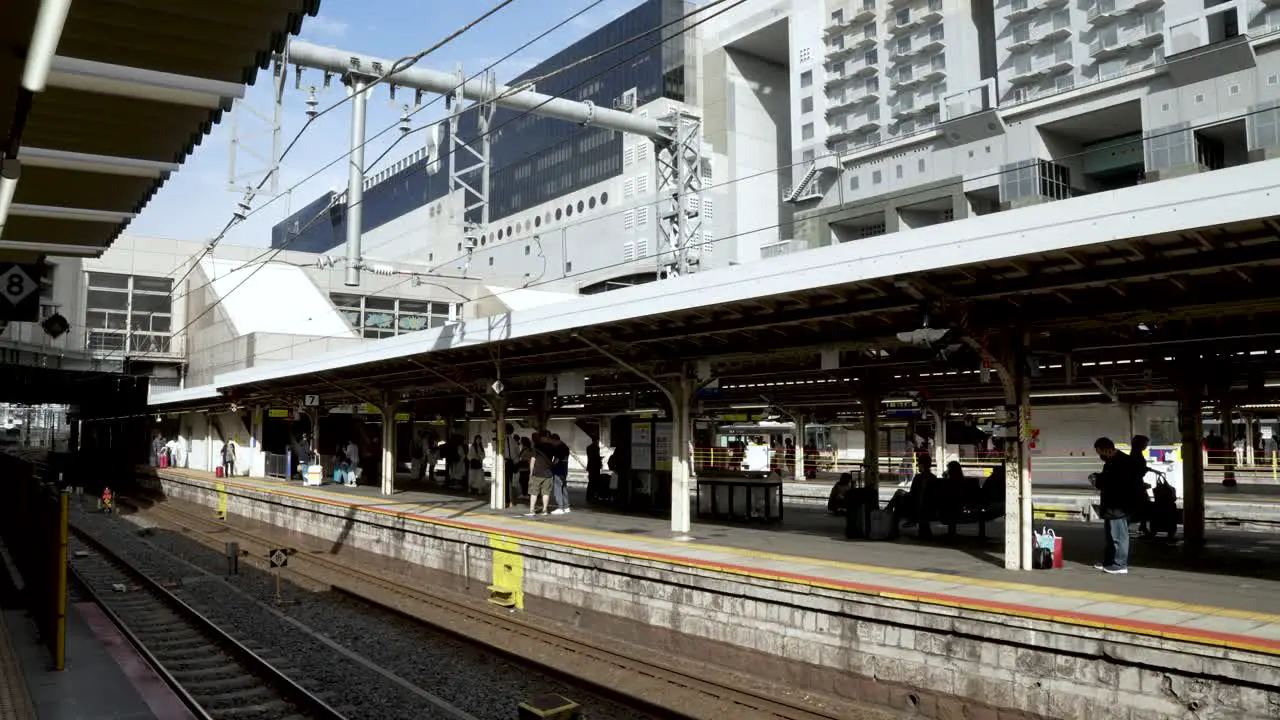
{"points": [[758, 102]]}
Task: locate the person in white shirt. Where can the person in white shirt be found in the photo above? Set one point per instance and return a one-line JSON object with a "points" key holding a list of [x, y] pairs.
{"points": [[353, 462]]}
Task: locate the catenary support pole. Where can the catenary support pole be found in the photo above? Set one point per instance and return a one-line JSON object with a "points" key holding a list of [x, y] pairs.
{"points": [[388, 479], [355, 177], [679, 394], [498, 488], [1191, 425], [1017, 461]]}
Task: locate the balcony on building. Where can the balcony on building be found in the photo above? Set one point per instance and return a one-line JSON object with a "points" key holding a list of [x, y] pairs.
{"points": [[843, 47], [903, 19], [854, 14], [1049, 30], [1020, 10], [842, 102], [1106, 11], [1117, 39], [1035, 68], [850, 71]]}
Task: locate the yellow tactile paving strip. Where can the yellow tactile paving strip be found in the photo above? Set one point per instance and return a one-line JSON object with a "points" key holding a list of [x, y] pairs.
{"points": [[15, 698], [936, 588]]}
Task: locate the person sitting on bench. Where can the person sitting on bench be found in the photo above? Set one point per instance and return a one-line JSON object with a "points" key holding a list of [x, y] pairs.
{"points": [[912, 507]]}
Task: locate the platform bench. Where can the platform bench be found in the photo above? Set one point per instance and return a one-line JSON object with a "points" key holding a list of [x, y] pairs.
{"points": [[739, 498]]}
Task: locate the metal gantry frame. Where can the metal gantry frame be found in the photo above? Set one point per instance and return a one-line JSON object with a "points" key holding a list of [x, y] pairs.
{"points": [[469, 161], [677, 136]]}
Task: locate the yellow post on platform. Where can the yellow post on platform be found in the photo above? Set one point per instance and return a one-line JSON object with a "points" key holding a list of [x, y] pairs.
{"points": [[222, 501], [60, 584], [1275, 466]]}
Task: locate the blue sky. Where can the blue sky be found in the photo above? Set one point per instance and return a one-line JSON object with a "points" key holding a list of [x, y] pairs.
{"points": [[195, 203]]}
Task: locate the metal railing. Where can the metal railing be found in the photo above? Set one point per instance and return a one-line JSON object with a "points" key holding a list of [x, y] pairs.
{"points": [[277, 465]]}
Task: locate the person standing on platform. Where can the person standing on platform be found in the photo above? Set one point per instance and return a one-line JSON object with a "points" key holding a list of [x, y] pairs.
{"points": [[540, 476], [228, 459], [560, 474], [594, 468], [353, 463], [1118, 486], [510, 462]]}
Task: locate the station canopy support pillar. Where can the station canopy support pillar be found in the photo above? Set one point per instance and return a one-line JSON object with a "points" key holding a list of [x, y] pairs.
{"points": [[939, 414], [799, 460], [1249, 459], [257, 452], [1016, 379], [858, 515], [1191, 425], [1226, 413], [679, 393], [498, 486], [388, 465]]}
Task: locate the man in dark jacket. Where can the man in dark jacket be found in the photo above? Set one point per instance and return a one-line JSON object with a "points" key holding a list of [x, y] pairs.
{"points": [[1118, 486]]}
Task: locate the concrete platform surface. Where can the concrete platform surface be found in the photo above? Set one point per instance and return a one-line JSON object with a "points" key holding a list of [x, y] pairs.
{"points": [[1226, 595], [104, 678]]}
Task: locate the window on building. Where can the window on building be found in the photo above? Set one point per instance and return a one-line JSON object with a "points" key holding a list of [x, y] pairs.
{"points": [[903, 16], [806, 79], [806, 131], [869, 30], [875, 177], [806, 105], [382, 317], [807, 156], [128, 313]]}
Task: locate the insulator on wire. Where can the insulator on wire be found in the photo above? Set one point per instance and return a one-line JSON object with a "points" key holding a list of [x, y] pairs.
{"points": [[379, 269], [312, 102], [404, 121], [297, 77]]}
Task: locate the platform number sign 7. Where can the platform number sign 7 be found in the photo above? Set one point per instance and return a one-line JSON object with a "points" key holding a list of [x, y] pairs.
{"points": [[19, 292]]}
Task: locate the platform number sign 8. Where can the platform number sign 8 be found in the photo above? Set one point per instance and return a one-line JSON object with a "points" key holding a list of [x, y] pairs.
{"points": [[19, 292]]}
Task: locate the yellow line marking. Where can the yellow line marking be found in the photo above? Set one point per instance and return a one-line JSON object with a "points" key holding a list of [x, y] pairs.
{"points": [[433, 515]]}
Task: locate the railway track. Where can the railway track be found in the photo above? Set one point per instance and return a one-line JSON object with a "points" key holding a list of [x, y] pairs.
{"points": [[216, 676], [657, 686]]}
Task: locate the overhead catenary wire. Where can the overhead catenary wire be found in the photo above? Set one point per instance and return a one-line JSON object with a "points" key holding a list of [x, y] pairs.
{"points": [[272, 252], [398, 66], [892, 199], [409, 276]]}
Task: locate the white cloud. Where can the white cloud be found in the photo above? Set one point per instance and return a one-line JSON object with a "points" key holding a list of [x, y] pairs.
{"points": [[327, 27]]}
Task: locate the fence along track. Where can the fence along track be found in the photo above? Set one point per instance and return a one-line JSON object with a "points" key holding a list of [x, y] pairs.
{"points": [[739, 695], [216, 676]]}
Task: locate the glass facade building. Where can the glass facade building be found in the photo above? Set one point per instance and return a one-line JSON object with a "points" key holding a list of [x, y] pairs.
{"points": [[534, 159]]}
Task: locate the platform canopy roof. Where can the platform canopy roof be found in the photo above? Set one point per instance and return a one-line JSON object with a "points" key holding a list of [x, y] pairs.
{"points": [[1099, 281], [134, 87]]}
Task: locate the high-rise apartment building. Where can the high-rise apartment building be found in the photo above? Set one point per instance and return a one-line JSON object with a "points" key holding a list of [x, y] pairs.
{"points": [[889, 64], [828, 121]]}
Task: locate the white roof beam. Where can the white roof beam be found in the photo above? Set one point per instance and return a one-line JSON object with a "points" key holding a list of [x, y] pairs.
{"points": [[102, 164], [45, 248], [106, 79], [341, 62], [52, 212]]}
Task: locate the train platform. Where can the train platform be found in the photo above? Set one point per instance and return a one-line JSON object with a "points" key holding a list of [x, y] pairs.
{"points": [[104, 678], [1227, 595]]}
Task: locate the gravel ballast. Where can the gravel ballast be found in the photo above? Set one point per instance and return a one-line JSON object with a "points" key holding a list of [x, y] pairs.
{"points": [[374, 664]]}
